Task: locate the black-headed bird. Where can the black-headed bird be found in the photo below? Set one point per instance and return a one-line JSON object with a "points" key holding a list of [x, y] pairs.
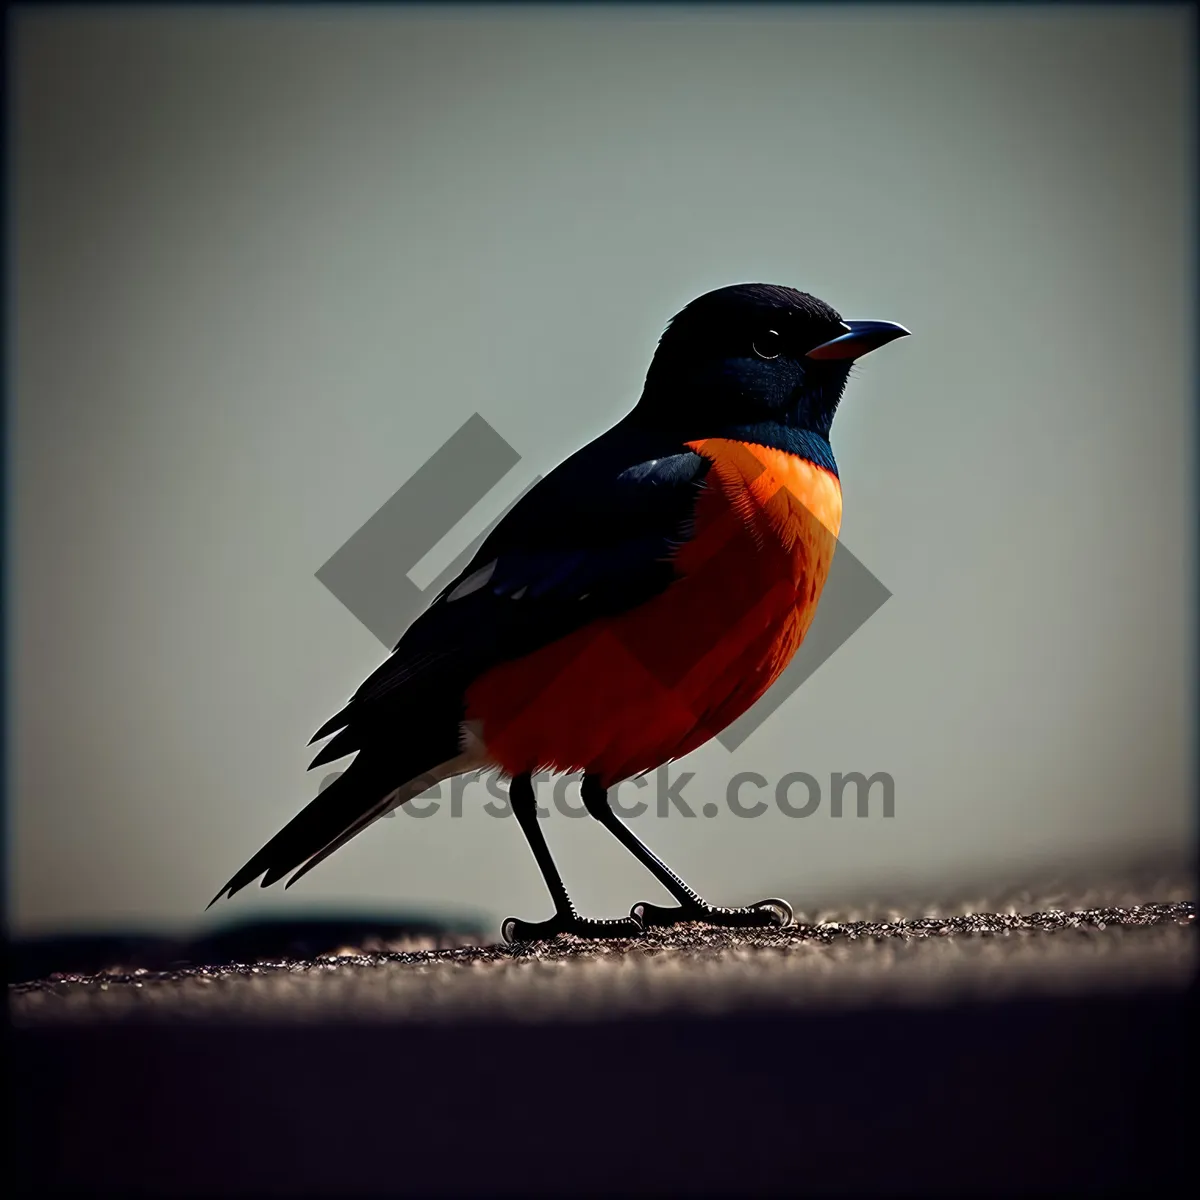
{"points": [[630, 606]]}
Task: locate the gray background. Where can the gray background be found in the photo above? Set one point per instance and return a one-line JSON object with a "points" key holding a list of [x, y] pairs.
{"points": [[267, 262]]}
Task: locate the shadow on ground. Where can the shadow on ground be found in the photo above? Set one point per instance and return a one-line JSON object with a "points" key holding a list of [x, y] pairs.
{"points": [[304, 937]]}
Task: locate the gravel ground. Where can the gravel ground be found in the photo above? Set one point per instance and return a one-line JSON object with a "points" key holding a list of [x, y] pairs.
{"points": [[1026, 944]]}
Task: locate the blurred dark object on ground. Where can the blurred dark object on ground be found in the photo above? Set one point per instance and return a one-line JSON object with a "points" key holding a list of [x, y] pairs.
{"points": [[246, 941]]}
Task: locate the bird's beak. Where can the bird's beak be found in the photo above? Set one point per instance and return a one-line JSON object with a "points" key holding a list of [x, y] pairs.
{"points": [[861, 338]]}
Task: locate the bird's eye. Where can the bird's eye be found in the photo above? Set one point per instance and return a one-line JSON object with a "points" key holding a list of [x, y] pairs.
{"points": [[768, 345]]}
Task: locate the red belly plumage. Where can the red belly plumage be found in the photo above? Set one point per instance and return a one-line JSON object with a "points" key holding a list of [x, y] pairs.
{"points": [[627, 693]]}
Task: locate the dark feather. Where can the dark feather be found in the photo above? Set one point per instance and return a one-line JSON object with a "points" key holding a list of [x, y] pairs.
{"points": [[352, 796], [331, 726], [347, 741]]}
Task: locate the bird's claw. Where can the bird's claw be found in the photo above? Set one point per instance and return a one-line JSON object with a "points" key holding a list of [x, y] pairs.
{"points": [[514, 930], [765, 914]]}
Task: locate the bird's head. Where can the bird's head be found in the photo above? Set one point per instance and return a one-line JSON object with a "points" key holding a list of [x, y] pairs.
{"points": [[755, 354]]}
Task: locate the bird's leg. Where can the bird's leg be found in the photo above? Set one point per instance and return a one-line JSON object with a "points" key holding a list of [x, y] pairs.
{"points": [[565, 919], [691, 906]]}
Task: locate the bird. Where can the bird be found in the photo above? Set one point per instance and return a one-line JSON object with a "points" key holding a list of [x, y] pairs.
{"points": [[631, 605]]}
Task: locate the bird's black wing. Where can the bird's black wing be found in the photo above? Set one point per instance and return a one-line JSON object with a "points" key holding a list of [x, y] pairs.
{"points": [[596, 536]]}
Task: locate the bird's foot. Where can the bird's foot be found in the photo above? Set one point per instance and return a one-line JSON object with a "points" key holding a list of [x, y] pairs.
{"points": [[763, 915], [514, 930]]}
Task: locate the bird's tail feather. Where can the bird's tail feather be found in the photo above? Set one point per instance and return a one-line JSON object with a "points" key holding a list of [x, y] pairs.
{"points": [[358, 797]]}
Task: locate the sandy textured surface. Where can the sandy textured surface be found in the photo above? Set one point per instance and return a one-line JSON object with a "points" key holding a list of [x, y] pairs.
{"points": [[1026, 944]]}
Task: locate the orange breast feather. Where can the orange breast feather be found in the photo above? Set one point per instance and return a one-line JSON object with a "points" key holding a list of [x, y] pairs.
{"points": [[628, 693]]}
